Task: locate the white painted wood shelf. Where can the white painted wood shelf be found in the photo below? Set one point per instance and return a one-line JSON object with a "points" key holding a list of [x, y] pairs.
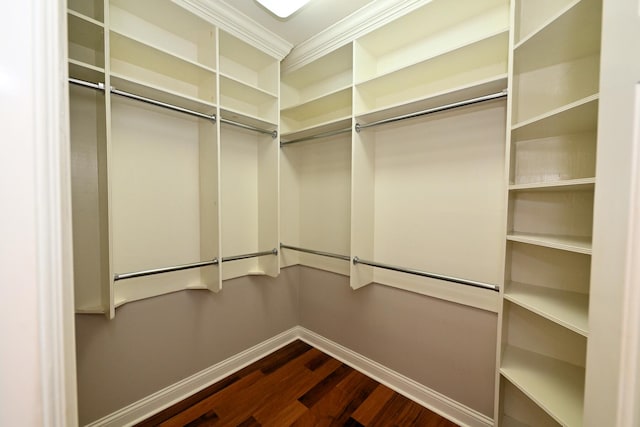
{"points": [[579, 184], [566, 243], [556, 386], [568, 309]]}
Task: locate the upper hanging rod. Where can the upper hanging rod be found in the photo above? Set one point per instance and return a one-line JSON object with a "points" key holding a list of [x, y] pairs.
{"points": [[318, 136], [164, 270], [466, 282], [162, 104], [97, 86], [273, 133], [273, 251], [311, 251], [446, 107]]}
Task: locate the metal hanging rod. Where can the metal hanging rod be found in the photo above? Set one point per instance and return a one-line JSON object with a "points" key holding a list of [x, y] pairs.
{"points": [[273, 251], [142, 273], [162, 104], [273, 133], [96, 86], [314, 252], [318, 136], [466, 282], [446, 107]]}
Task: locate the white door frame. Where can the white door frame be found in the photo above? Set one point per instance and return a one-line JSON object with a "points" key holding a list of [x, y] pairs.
{"points": [[38, 386]]}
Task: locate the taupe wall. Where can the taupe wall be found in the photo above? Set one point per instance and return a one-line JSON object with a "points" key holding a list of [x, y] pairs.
{"points": [[448, 347], [154, 343]]}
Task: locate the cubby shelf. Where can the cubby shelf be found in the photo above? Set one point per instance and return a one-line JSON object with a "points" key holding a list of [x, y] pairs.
{"points": [[556, 386], [329, 108], [252, 101], [580, 184], [318, 129], [245, 118], [567, 243], [86, 72], [93, 9], [576, 117], [568, 309], [555, 40], [86, 39]]}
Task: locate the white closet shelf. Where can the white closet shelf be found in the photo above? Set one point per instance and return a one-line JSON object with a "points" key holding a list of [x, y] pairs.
{"points": [[484, 44], [160, 94], [75, 17], [86, 32], [556, 386], [90, 9], [326, 127], [572, 33], [340, 96], [566, 243], [86, 72], [136, 51], [576, 117], [246, 93], [579, 184], [246, 119], [475, 89], [568, 309]]}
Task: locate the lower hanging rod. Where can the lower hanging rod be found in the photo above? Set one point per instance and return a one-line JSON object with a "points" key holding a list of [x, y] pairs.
{"points": [[162, 104], [314, 252], [273, 251], [273, 133], [451, 106], [143, 273], [318, 136], [466, 282]]}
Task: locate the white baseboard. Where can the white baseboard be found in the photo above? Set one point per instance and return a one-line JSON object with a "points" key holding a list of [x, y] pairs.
{"points": [[179, 391]]}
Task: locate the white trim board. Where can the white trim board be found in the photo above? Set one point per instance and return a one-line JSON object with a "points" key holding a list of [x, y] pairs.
{"points": [[179, 391]]}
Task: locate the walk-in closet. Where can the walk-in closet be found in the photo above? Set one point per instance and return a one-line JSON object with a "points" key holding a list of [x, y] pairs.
{"points": [[423, 190]]}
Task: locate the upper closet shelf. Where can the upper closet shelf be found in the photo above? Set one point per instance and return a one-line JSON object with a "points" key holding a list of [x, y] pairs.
{"points": [[460, 93], [87, 72], [141, 88], [320, 129], [573, 33], [91, 9], [248, 121], [579, 116]]}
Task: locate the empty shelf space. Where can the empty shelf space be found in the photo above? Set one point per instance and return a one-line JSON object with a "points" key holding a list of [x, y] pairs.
{"points": [[86, 72], [568, 309], [556, 386], [573, 33], [339, 97], [567, 243], [319, 129]]}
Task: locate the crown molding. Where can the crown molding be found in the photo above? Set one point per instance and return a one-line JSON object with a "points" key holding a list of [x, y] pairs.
{"points": [[237, 24], [359, 23]]}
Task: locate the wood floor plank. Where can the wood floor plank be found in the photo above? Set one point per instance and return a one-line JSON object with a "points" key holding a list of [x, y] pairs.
{"points": [[300, 386], [366, 413]]}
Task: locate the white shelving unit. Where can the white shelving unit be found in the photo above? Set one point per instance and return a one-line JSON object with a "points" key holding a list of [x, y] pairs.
{"points": [[249, 83], [552, 151]]}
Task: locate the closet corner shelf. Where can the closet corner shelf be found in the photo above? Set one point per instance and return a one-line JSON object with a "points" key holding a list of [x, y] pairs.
{"points": [[319, 129], [242, 90], [568, 309], [327, 98], [567, 243], [476, 89], [579, 184], [556, 386], [163, 95], [572, 33], [74, 14], [575, 117]]}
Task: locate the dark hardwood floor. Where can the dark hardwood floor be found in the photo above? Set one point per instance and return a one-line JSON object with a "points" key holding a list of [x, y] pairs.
{"points": [[297, 385]]}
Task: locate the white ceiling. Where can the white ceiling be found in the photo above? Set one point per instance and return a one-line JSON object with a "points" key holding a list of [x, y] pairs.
{"points": [[313, 18]]}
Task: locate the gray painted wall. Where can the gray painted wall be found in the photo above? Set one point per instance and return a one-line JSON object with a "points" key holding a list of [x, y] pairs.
{"points": [[154, 343], [445, 346]]}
